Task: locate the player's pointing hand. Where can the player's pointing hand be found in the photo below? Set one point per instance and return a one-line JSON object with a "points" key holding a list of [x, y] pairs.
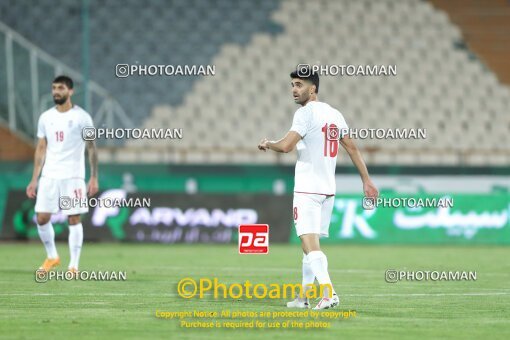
{"points": [[263, 144]]}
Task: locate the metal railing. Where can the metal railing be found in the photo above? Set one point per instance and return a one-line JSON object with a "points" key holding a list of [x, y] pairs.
{"points": [[26, 73]]}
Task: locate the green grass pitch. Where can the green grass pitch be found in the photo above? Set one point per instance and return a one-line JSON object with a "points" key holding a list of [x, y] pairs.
{"points": [[126, 310]]}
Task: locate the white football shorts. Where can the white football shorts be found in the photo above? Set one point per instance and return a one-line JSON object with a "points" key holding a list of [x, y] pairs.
{"points": [[51, 192], [312, 213]]}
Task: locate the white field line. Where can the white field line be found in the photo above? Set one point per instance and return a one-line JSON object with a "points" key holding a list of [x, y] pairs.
{"points": [[175, 294], [296, 269], [347, 271]]}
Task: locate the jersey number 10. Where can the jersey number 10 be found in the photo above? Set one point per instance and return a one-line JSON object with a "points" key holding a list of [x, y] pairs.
{"points": [[331, 136]]}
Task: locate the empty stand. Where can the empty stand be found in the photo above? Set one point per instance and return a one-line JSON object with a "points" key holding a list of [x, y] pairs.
{"points": [[440, 84]]}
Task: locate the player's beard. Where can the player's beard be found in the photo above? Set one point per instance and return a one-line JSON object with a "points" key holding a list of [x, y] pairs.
{"points": [[61, 100]]}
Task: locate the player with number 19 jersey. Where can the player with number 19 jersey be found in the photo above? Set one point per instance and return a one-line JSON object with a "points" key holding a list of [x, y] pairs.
{"points": [[320, 127], [65, 153], [63, 173], [58, 178]]}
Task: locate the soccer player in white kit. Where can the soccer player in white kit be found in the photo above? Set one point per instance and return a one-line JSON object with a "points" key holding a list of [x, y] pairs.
{"points": [[60, 155], [317, 130]]}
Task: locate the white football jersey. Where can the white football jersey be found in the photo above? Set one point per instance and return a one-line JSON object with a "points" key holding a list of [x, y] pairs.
{"points": [[320, 127], [65, 152]]}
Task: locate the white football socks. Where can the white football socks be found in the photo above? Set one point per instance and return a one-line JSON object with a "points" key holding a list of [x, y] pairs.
{"points": [[75, 243], [319, 265], [47, 235], [308, 277]]}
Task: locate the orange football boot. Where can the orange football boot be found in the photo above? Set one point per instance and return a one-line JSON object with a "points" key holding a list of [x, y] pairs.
{"points": [[50, 264]]}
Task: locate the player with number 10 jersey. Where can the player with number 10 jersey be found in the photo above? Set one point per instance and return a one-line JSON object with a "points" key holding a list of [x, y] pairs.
{"points": [[317, 131]]}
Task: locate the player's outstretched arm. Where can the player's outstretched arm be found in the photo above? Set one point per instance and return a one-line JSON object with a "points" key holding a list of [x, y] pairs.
{"points": [[93, 186], [369, 189], [286, 144], [40, 155]]}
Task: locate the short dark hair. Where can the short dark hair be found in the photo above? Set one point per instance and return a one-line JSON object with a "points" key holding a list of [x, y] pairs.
{"points": [[64, 80], [305, 73]]}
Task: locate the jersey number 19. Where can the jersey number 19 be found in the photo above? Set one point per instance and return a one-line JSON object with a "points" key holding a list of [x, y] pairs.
{"points": [[59, 135]]}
